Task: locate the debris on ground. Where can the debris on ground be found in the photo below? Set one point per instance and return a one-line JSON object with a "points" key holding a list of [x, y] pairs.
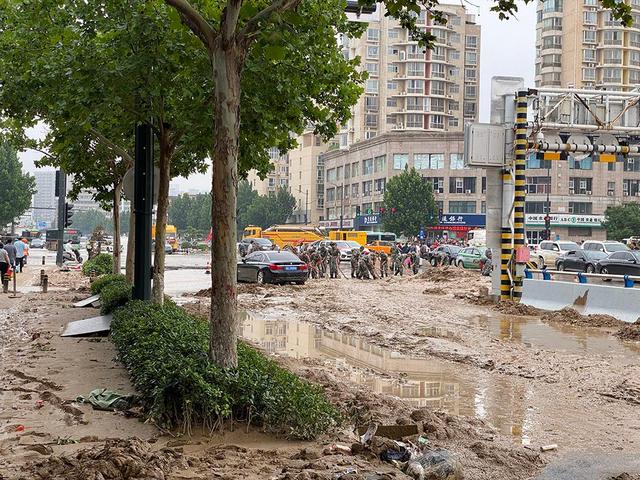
{"points": [[509, 307], [627, 390], [131, 459], [105, 399], [629, 331], [438, 464], [572, 317]]}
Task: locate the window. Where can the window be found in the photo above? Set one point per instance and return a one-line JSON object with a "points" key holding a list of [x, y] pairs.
{"points": [[415, 69], [415, 86], [535, 207], [613, 56], [331, 175], [380, 164], [611, 167], [373, 34], [379, 185], [437, 70], [552, 6], [437, 183], [371, 120], [355, 169], [454, 88], [437, 121], [456, 161], [391, 85], [339, 173], [611, 189], [372, 68], [367, 166], [331, 194], [462, 185], [470, 91], [580, 185], [630, 188], [471, 41], [483, 207], [584, 164], [589, 74], [416, 103], [437, 87], [581, 208], [454, 20], [371, 103], [437, 104], [425, 161], [538, 184], [415, 121], [454, 38], [354, 189], [470, 58], [469, 109], [394, 33], [612, 37], [589, 55], [373, 51], [392, 102], [454, 122], [392, 68], [590, 18], [400, 161], [462, 206], [632, 164], [533, 161], [589, 36], [347, 171], [470, 74], [372, 86], [367, 187]]}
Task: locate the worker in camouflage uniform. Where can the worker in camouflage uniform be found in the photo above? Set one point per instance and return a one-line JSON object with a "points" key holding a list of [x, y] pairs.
{"points": [[334, 259], [384, 265], [355, 258], [414, 262], [363, 270], [396, 261], [314, 260], [324, 257], [370, 263]]}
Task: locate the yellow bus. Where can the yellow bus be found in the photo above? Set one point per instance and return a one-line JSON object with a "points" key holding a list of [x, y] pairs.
{"points": [[170, 235], [283, 235], [354, 236]]}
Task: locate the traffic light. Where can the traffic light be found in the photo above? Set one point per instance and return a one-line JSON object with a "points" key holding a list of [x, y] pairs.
{"points": [[68, 213], [381, 210], [393, 210]]}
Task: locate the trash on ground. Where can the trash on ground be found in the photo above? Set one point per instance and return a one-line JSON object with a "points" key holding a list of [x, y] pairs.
{"points": [[438, 464], [104, 399], [548, 448]]}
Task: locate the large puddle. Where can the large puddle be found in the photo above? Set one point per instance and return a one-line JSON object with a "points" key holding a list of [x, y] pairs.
{"points": [[421, 382]]}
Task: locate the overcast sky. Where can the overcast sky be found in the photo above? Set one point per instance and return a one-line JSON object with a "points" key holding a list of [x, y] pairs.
{"points": [[508, 49]]}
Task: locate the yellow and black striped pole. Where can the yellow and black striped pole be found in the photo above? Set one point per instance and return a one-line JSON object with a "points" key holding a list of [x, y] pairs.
{"points": [[520, 183]]}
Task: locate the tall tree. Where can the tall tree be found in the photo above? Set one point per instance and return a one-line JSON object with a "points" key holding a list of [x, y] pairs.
{"points": [[409, 204], [88, 220], [231, 31], [16, 188], [622, 221], [272, 209]]}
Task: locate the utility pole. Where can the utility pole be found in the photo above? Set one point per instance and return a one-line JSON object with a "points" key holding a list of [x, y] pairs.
{"points": [[61, 184], [306, 207], [143, 210]]}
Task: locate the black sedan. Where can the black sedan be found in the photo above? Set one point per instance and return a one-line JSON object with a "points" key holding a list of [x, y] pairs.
{"points": [[446, 254], [272, 267], [621, 263], [580, 261]]}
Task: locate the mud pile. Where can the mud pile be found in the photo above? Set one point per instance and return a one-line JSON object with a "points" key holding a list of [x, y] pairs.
{"points": [[572, 317], [627, 390], [115, 459], [629, 331], [513, 308]]}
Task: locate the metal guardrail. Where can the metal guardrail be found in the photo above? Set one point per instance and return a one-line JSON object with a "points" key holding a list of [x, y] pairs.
{"points": [[628, 280]]}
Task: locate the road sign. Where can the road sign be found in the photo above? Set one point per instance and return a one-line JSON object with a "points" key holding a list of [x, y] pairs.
{"points": [[127, 184], [41, 225]]}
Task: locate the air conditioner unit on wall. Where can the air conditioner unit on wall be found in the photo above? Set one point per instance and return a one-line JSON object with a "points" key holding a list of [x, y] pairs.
{"points": [[588, 192]]}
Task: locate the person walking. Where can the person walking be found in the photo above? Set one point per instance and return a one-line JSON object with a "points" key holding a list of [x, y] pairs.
{"points": [[11, 251], [26, 251], [19, 246], [4, 266], [334, 259]]}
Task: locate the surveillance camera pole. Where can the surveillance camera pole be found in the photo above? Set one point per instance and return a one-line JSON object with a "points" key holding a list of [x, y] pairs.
{"points": [[62, 198]]}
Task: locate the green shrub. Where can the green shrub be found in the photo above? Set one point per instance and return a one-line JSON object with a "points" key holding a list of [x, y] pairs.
{"points": [[165, 351], [101, 264], [103, 280], [114, 295]]}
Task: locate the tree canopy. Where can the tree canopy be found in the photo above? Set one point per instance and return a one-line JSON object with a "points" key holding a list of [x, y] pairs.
{"points": [[622, 221], [191, 212], [409, 204], [270, 209], [16, 188]]}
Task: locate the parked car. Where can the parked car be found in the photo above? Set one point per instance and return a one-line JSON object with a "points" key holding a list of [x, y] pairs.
{"points": [[620, 263], [37, 243], [450, 252], [272, 267], [580, 260], [168, 249], [608, 246], [471, 257], [265, 243], [547, 252], [345, 247]]}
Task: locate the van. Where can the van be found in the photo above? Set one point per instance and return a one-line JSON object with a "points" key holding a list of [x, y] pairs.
{"points": [[477, 238]]}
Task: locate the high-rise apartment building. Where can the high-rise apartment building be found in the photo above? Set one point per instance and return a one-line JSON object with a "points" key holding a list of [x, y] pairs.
{"points": [[278, 177], [579, 44], [410, 88], [44, 200]]}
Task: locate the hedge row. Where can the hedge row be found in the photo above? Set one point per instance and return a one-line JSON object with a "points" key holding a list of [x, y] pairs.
{"points": [[165, 351], [101, 264]]}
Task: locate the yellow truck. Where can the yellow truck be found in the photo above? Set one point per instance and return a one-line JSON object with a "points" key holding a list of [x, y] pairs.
{"points": [[283, 235], [171, 236], [354, 236]]}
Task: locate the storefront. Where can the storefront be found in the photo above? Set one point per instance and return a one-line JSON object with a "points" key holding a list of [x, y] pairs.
{"points": [[347, 224], [456, 225], [565, 226]]}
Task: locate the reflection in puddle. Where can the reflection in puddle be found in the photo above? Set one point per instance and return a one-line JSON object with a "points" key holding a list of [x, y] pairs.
{"points": [[452, 388], [559, 337]]}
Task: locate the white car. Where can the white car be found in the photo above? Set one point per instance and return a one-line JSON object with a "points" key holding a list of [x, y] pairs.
{"points": [[345, 247], [547, 252], [608, 246]]}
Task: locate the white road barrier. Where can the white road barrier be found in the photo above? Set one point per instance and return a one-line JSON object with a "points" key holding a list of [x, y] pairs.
{"points": [[587, 298]]}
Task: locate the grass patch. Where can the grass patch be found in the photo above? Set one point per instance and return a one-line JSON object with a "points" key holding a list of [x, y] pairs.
{"points": [[165, 351], [102, 281], [101, 264]]}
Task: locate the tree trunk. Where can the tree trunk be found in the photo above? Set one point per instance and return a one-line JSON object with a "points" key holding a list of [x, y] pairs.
{"points": [[161, 223], [117, 192], [130, 246], [227, 61]]}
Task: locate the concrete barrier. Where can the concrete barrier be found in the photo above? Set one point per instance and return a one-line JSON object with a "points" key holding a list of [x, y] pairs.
{"points": [[619, 302]]}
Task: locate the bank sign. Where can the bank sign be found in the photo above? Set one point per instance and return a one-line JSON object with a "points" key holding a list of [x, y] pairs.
{"points": [[463, 220], [565, 220], [368, 220]]}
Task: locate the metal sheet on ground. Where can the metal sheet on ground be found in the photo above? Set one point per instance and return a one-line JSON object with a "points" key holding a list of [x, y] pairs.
{"points": [[87, 301], [88, 326]]}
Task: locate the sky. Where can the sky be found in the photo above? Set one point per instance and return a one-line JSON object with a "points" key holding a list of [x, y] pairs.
{"points": [[507, 49]]}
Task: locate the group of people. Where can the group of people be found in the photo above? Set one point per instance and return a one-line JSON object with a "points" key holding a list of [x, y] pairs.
{"points": [[13, 255]]}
